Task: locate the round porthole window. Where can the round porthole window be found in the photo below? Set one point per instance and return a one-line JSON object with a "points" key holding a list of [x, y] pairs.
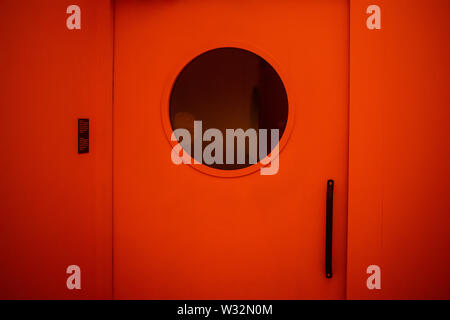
{"points": [[226, 108]]}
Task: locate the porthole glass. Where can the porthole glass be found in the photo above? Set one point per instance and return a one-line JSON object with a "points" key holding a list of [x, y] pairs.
{"points": [[228, 88]]}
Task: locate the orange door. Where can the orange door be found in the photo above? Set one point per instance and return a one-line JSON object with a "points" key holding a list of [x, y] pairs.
{"points": [[193, 231]]}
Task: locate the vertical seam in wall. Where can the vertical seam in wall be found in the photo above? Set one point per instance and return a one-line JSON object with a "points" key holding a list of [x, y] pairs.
{"points": [[348, 146], [112, 142]]}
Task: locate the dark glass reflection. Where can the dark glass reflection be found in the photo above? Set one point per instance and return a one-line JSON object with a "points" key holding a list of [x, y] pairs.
{"points": [[229, 88]]}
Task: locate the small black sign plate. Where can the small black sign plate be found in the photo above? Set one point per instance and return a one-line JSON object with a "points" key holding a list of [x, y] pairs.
{"points": [[83, 135]]}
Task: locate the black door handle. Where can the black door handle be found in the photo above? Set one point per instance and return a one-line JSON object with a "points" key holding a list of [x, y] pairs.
{"points": [[329, 230]]}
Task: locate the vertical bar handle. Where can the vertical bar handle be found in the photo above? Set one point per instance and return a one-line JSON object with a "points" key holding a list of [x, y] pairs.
{"points": [[329, 230]]}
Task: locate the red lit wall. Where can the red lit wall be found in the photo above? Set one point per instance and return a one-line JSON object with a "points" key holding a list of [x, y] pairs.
{"points": [[55, 205], [399, 207]]}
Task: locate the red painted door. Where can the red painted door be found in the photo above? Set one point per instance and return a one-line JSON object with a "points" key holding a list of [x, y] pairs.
{"points": [[195, 232]]}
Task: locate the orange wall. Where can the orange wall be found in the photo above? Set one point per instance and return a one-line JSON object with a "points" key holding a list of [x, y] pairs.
{"points": [[399, 206], [55, 205]]}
